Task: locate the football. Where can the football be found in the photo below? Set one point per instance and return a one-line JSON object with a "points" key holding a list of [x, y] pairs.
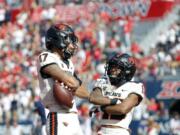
{"points": [[62, 94]]}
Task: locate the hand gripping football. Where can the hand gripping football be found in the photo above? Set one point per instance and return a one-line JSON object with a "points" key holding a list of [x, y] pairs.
{"points": [[62, 94]]}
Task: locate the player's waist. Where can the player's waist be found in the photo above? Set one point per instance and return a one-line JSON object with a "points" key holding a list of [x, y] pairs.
{"points": [[62, 113], [115, 120], [59, 109], [116, 127], [113, 117]]}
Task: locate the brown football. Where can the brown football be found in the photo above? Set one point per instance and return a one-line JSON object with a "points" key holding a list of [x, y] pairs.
{"points": [[62, 95]]}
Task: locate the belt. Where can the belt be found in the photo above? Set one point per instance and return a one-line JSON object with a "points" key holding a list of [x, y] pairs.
{"points": [[56, 113], [114, 126], [113, 117], [73, 112]]}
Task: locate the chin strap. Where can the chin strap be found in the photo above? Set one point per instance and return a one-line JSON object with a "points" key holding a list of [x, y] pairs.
{"points": [[67, 54], [117, 82]]}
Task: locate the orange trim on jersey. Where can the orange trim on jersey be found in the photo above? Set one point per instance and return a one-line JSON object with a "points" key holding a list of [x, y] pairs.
{"points": [[53, 123]]}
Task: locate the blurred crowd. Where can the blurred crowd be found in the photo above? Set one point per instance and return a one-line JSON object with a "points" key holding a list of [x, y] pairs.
{"points": [[23, 37]]}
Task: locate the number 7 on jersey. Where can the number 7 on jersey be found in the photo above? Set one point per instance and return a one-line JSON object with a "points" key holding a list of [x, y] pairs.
{"points": [[43, 57]]}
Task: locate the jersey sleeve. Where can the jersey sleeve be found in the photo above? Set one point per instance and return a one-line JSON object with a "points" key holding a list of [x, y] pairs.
{"points": [[46, 59], [100, 83], [137, 88]]}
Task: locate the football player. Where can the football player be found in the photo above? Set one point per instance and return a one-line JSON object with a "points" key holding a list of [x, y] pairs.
{"points": [[117, 95], [55, 65]]}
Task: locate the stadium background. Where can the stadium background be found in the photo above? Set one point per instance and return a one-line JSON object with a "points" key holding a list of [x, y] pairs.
{"points": [[147, 29]]}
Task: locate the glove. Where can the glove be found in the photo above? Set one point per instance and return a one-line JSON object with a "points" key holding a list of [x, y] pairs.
{"points": [[93, 110]]}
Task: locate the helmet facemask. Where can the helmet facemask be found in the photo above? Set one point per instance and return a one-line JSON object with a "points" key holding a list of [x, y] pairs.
{"points": [[115, 73], [120, 69], [60, 36], [69, 39]]}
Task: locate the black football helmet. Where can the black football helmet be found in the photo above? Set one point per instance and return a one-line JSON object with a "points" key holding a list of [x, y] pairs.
{"points": [[60, 36], [127, 67]]}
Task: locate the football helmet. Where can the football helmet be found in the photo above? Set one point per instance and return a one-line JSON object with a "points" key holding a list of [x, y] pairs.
{"points": [[60, 36], [120, 69]]}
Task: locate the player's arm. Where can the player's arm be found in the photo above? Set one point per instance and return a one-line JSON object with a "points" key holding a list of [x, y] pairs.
{"points": [[125, 106], [97, 98], [57, 74], [82, 92]]}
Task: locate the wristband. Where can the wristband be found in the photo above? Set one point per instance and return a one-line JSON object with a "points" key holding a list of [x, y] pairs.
{"points": [[113, 101], [103, 107]]}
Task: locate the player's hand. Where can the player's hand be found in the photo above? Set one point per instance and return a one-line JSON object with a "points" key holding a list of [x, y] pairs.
{"points": [[68, 88]]}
